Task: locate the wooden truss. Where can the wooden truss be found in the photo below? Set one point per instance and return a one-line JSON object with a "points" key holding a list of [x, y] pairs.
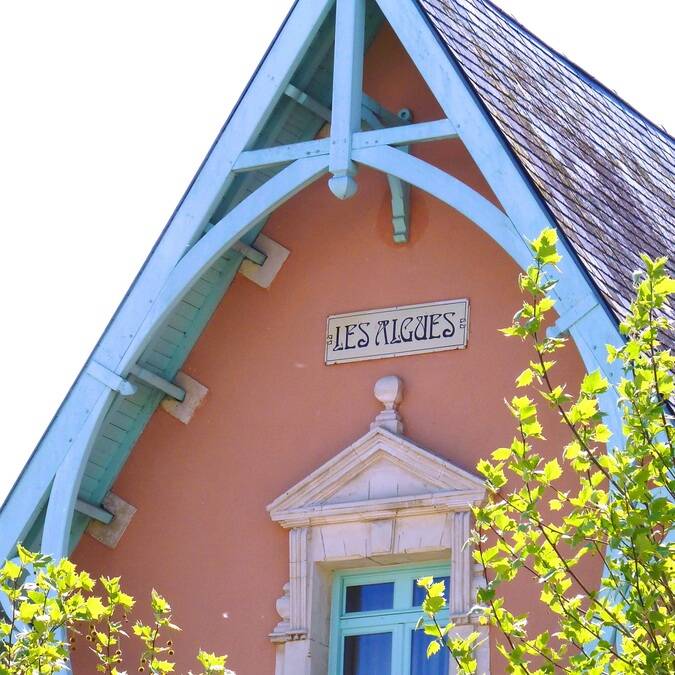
{"points": [[192, 242]]}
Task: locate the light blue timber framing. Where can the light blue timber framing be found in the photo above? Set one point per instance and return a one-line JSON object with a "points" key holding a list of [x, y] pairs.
{"points": [[219, 238], [94, 512], [63, 496], [514, 190], [376, 117], [111, 379], [169, 388], [189, 254], [24, 502], [450, 190], [423, 132], [347, 92]]}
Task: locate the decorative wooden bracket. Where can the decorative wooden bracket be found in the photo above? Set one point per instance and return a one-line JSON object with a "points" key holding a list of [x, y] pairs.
{"points": [[308, 102], [375, 116], [274, 256], [120, 512], [400, 190], [195, 393]]}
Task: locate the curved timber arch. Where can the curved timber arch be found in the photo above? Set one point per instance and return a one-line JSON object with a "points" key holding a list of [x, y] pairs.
{"points": [[219, 239], [452, 192], [586, 320], [204, 253]]}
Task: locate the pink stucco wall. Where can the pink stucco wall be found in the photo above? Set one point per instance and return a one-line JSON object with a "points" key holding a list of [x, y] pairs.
{"points": [[275, 412]]}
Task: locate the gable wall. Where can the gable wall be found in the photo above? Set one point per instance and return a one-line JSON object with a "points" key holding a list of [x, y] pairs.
{"points": [[274, 412]]}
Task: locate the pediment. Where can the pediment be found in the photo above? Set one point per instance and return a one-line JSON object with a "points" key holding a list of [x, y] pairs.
{"points": [[380, 471]]}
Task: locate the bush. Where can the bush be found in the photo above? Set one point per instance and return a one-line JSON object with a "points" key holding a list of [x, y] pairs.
{"points": [[47, 600]]}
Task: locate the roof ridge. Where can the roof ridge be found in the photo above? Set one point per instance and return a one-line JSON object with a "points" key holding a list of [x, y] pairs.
{"points": [[579, 71]]}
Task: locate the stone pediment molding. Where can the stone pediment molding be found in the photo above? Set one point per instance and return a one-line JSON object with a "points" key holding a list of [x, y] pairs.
{"points": [[375, 477], [383, 500]]}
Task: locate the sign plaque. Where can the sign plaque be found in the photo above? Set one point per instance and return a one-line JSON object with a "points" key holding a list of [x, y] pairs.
{"points": [[397, 331]]}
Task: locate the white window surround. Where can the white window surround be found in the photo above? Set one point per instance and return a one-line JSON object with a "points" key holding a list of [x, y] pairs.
{"points": [[381, 501]]}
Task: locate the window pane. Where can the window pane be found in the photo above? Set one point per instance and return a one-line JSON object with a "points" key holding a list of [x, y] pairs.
{"points": [[420, 664], [419, 593], [368, 654], [369, 597]]}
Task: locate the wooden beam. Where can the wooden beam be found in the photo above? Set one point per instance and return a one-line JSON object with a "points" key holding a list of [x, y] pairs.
{"points": [[450, 190], [572, 316], [369, 107], [400, 208], [66, 485], [154, 380], [250, 253], [93, 511], [388, 118], [400, 190], [347, 94], [281, 154], [308, 102], [422, 132]]}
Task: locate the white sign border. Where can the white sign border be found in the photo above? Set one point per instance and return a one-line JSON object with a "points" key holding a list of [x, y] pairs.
{"points": [[395, 309]]}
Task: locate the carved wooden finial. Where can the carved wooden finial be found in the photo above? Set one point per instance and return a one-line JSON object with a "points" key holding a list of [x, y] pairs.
{"points": [[389, 391]]}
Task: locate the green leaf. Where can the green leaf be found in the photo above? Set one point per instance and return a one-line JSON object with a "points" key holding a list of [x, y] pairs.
{"points": [[159, 604], [95, 608], [594, 383], [433, 605], [525, 378], [433, 630], [501, 454], [583, 410], [572, 450], [27, 610], [25, 556], [436, 590], [433, 648], [601, 433], [10, 570], [552, 470], [544, 247]]}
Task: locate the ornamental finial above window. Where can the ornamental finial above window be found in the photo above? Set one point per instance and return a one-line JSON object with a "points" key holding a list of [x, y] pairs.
{"points": [[389, 391]]}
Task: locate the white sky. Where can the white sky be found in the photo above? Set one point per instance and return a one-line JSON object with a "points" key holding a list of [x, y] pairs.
{"points": [[106, 111]]}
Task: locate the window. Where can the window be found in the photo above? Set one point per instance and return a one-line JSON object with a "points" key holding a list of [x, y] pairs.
{"points": [[373, 618]]}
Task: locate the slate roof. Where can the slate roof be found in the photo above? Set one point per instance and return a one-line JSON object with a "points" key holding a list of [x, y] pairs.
{"points": [[605, 172]]}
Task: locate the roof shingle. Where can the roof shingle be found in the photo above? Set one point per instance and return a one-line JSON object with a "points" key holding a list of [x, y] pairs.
{"points": [[604, 171]]}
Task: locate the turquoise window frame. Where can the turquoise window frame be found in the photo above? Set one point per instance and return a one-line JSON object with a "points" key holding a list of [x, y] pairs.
{"points": [[400, 620]]}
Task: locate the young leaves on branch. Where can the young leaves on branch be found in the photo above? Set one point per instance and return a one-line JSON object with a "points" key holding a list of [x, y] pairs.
{"points": [[620, 509], [41, 600]]}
